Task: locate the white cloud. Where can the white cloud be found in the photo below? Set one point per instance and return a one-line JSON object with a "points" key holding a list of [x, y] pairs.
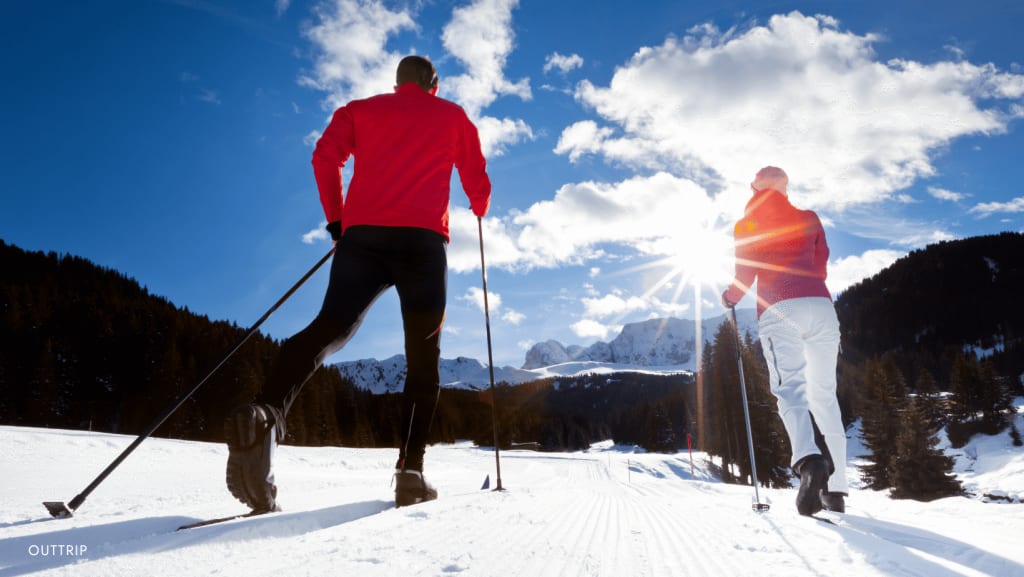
{"points": [[500, 250], [562, 63], [611, 305], [877, 223], [311, 138], [588, 328], [644, 213], [985, 209], [943, 194], [352, 60], [317, 234], [281, 6], [798, 93], [846, 272], [513, 317], [475, 295], [497, 134], [583, 137], [480, 36]]}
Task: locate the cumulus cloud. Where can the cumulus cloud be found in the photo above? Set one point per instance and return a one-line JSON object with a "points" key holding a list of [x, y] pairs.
{"points": [[353, 59], [584, 137], [846, 272], [513, 317], [613, 305], [588, 328], [562, 63], [480, 37], [475, 296], [351, 38], [318, 234], [800, 93], [500, 248], [641, 212]]}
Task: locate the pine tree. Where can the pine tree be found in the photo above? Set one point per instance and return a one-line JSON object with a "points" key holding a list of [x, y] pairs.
{"points": [[996, 402], [661, 437], [919, 470], [883, 404], [724, 416], [965, 384], [928, 390]]}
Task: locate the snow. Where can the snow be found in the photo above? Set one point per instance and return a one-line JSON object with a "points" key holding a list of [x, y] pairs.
{"points": [[609, 511]]}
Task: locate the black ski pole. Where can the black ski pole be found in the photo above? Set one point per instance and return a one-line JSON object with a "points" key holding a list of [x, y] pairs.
{"points": [[758, 505], [490, 358], [60, 510]]}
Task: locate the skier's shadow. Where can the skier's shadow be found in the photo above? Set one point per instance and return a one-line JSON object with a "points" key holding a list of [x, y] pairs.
{"points": [[48, 550], [891, 543]]}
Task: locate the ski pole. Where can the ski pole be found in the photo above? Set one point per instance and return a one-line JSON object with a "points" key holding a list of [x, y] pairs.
{"points": [[490, 359], [60, 510], [758, 505]]}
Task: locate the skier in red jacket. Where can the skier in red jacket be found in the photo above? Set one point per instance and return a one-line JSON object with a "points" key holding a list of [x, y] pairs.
{"points": [[784, 249], [391, 229]]}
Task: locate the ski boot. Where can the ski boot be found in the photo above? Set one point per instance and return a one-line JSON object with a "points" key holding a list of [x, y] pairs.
{"points": [[251, 438], [813, 471], [411, 488], [835, 502]]}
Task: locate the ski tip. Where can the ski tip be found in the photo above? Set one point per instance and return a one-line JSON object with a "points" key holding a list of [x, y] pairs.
{"points": [[58, 509]]}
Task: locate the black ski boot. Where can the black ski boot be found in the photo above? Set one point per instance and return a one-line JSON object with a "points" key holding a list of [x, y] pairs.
{"points": [[835, 502], [411, 488], [813, 471], [251, 438]]}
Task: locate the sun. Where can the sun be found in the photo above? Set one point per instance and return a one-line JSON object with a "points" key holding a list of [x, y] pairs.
{"points": [[703, 257], [698, 259]]}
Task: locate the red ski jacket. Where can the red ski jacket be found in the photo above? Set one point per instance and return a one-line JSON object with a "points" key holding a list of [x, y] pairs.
{"points": [[783, 247], [405, 145]]}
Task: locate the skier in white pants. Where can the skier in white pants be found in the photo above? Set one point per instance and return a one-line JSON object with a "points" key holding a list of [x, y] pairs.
{"points": [[784, 249]]}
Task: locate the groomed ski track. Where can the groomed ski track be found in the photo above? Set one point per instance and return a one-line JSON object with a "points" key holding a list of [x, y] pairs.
{"points": [[605, 512]]}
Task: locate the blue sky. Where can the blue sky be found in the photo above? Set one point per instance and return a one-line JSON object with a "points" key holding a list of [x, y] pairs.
{"points": [[171, 140]]}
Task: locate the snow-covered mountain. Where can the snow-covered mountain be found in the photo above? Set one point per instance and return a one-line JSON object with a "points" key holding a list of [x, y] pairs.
{"points": [[667, 342], [388, 375], [666, 345]]}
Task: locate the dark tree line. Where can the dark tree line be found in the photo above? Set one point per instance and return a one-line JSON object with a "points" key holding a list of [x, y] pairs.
{"points": [[85, 347]]}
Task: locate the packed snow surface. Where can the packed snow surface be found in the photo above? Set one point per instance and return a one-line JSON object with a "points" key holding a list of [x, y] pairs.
{"points": [[610, 511]]}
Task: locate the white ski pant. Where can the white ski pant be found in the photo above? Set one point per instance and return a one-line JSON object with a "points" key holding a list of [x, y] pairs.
{"points": [[800, 338]]}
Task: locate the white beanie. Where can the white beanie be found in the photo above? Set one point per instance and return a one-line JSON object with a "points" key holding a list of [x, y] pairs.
{"points": [[771, 177]]}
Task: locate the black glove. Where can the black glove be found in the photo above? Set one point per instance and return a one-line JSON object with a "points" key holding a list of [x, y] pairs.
{"points": [[335, 229]]}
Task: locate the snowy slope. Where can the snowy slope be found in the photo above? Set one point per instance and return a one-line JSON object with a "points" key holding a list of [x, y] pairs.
{"points": [[605, 512]]}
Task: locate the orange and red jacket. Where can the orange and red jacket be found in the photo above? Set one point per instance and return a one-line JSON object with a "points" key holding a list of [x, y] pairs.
{"points": [[783, 247], [405, 145]]}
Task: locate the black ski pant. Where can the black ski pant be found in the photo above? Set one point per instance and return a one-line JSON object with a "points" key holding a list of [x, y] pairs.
{"points": [[368, 260]]}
